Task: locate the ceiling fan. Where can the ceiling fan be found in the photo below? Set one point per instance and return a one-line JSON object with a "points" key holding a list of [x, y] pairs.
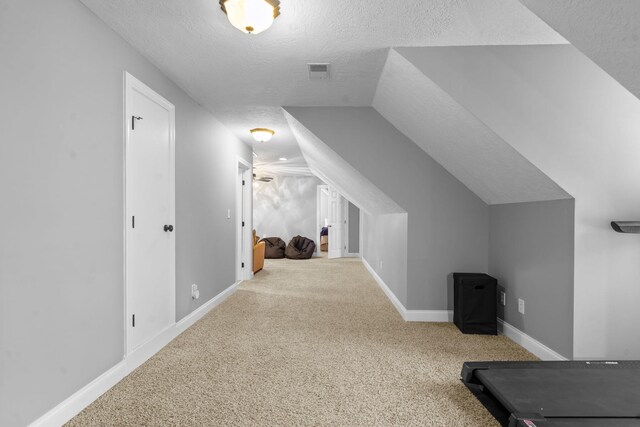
{"points": [[262, 178]]}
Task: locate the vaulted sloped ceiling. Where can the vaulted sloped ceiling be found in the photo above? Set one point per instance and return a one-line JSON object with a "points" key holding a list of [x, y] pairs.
{"points": [[456, 139], [580, 127], [606, 31], [244, 80]]}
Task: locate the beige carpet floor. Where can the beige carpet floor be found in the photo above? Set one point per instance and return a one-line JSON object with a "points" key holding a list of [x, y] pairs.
{"points": [[306, 343]]}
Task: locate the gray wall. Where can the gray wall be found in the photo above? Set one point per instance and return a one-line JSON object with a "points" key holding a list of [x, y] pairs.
{"points": [[354, 229], [61, 180], [580, 127], [384, 248], [448, 225], [385, 223], [531, 255], [286, 207]]}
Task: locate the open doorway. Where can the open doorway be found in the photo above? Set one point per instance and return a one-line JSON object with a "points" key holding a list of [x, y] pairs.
{"points": [[284, 208], [338, 224]]}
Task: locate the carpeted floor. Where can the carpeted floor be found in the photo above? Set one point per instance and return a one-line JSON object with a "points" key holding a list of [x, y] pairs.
{"points": [[306, 343]]}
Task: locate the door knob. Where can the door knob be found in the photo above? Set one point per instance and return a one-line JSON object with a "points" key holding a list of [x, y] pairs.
{"points": [[168, 228]]}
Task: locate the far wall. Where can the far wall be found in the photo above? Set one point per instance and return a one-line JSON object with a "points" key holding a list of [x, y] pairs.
{"points": [[286, 207], [531, 255]]}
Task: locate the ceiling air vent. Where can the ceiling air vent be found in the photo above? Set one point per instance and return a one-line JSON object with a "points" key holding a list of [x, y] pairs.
{"points": [[318, 71]]}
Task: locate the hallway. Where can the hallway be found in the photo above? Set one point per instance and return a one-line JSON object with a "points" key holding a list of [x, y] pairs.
{"points": [[305, 343]]}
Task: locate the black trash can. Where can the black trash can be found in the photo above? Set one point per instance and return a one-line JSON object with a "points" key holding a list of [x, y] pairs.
{"points": [[475, 303]]}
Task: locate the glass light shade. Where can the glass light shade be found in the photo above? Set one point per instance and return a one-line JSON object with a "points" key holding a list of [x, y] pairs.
{"points": [[250, 16], [262, 134]]}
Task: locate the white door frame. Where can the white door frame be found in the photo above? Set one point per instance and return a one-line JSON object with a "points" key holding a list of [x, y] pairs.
{"points": [[244, 210], [336, 224], [319, 223], [132, 84], [361, 233], [345, 227]]}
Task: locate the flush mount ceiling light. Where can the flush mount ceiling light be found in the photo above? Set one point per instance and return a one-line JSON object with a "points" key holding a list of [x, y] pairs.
{"points": [[251, 16], [262, 134]]}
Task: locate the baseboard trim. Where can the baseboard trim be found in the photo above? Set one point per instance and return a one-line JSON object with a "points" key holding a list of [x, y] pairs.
{"points": [[511, 332], [351, 255], [428, 316], [199, 312], [529, 343], [75, 403], [392, 297], [409, 315]]}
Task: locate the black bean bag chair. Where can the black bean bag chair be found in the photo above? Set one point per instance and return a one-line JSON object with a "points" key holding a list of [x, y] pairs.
{"points": [[274, 247], [300, 248]]}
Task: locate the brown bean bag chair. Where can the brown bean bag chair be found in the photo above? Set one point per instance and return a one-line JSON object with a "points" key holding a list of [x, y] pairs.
{"points": [[300, 248], [274, 247]]}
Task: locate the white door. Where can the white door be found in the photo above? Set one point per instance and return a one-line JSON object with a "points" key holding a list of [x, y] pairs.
{"points": [[335, 223], [241, 263], [244, 236], [150, 213]]}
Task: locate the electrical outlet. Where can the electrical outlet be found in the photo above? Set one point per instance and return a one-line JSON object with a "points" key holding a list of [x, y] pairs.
{"points": [[521, 305], [503, 298], [195, 293]]}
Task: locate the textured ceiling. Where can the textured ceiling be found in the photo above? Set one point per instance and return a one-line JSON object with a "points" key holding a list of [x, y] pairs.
{"points": [[456, 139], [607, 31], [243, 79]]}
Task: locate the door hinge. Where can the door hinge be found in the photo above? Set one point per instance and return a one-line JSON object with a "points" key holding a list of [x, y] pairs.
{"points": [[133, 321], [243, 265], [243, 223], [243, 182], [133, 222], [133, 121]]}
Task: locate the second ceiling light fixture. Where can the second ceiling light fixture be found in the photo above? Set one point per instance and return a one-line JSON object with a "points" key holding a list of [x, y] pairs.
{"points": [[251, 16]]}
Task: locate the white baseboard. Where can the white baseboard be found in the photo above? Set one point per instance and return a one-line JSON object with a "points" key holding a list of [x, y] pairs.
{"points": [[409, 315], [75, 403], [514, 334], [529, 343], [394, 300], [199, 313], [428, 315], [351, 255]]}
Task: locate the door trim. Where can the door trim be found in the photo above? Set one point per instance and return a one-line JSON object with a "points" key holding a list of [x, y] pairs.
{"points": [[336, 225], [319, 224], [133, 84], [244, 209]]}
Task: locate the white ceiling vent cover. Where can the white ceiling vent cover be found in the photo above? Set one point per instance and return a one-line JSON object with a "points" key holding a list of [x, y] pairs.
{"points": [[318, 71]]}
